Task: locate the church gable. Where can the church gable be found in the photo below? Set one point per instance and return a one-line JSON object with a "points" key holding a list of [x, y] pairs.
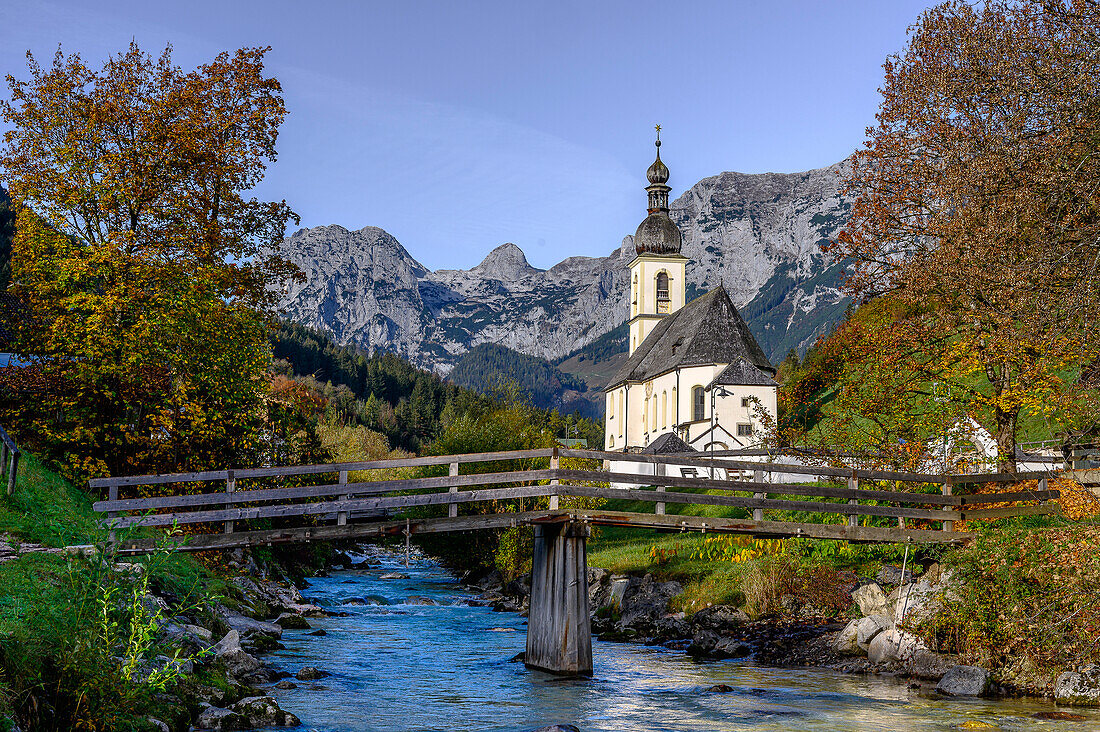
{"points": [[707, 330]]}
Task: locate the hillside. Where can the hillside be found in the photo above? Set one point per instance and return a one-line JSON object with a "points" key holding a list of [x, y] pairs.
{"points": [[759, 235], [488, 367]]}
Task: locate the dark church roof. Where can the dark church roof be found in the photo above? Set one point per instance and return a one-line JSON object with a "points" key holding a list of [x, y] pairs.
{"points": [[667, 444], [708, 330], [742, 373]]}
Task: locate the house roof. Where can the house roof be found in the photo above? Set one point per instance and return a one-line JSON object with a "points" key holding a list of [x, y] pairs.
{"points": [[708, 330], [742, 373], [667, 444]]}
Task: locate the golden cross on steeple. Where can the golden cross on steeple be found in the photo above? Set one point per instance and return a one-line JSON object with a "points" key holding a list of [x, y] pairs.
{"points": [[658, 128]]}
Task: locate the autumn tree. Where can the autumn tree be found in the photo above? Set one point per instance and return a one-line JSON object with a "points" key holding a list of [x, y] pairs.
{"points": [[146, 268], [975, 209]]}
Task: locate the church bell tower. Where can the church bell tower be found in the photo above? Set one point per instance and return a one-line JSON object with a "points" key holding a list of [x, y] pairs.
{"points": [[658, 272]]}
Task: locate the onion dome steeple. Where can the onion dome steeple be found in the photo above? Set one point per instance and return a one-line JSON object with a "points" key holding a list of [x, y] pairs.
{"points": [[657, 234]]}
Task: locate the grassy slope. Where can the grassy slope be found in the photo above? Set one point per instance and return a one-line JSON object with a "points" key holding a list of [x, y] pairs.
{"points": [[46, 509]]}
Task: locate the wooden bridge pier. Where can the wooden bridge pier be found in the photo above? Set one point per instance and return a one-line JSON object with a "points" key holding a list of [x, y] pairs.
{"points": [[559, 636]]}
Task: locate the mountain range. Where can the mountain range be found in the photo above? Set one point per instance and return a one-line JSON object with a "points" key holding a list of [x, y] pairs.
{"points": [[757, 234]]}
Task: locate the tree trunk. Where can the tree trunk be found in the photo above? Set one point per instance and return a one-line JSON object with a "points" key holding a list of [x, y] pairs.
{"points": [[1006, 440]]}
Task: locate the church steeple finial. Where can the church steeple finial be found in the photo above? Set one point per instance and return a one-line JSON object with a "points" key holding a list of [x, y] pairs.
{"points": [[657, 234], [658, 177]]}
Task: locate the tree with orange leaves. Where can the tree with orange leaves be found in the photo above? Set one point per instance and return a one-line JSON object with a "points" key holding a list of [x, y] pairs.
{"points": [[976, 208], [146, 268]]}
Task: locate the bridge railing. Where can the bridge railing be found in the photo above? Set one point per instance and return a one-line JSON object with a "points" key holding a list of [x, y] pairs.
{"points": [[346, 508]]}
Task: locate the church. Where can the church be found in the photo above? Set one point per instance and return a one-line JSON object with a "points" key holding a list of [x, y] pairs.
{"points": [[695, 378]]}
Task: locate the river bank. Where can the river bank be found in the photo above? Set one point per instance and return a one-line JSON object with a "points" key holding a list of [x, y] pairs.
{"points": [[876, 637]]}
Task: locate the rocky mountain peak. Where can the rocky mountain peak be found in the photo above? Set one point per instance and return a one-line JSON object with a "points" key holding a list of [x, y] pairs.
{"points": [[506, 262]]}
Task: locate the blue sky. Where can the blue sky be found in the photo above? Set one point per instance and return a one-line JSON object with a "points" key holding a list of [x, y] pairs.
{"points": [[458, 126]]}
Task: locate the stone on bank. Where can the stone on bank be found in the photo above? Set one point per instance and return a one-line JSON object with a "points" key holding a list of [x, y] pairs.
{"points": [[1079, 688]]}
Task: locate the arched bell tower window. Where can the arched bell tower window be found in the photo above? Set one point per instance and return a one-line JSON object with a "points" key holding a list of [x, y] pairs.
{"points": [[662, 292], [634, 296]]}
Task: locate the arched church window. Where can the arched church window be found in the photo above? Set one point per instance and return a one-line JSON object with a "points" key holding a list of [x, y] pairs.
{"points": [[662, 292], [664, 409], [620, 411], [634, 295], [698, 404]]}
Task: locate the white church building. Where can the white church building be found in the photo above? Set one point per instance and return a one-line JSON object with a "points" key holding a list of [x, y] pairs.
{"points": [[695, 378]]}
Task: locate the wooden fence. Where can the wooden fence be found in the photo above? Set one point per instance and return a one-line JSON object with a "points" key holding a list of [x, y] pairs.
{"points": [[346, 509], [9, 458]]}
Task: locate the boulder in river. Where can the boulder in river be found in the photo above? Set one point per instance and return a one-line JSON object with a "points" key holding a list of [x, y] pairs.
{"points": [[237, 662], [310, 673], [927, 665], [846, 641], [264, 711], [869, 627], [965, 681], [249, 627], [292, 621], [710, 645], [1079, 688], [220, 719], [394, 576]]}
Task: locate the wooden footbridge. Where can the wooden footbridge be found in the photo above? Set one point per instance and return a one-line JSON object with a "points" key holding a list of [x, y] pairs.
{"points": [[560, 493]]}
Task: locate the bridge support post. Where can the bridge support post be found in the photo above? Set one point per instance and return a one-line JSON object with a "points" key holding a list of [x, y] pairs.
{"points": [[559, 637]]}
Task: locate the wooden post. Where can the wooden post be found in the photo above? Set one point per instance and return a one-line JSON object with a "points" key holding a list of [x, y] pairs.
{"points": [[559, 636], [112, 495], [758, 513], [452, 509], [342, 516], [14, 474], [230, 487], [947, 525], [853, 518], [554, 463], [13, 457], [659, 471]]}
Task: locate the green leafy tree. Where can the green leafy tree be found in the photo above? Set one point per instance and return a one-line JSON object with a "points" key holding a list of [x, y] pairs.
{"points": [[146, 268]]}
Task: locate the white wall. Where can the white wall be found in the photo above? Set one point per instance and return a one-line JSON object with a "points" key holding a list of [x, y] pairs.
{"points": [[647, 414]]}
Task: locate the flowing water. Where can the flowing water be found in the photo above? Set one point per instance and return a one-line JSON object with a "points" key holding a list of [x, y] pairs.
{"points": [[398, 666]]}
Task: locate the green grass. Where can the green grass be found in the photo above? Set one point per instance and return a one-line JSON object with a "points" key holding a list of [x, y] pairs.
{"points": [[46, 509]]}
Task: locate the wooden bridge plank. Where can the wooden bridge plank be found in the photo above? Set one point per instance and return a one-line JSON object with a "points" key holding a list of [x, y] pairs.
{"points": [[320, 491], [976, 499], [313, 509], [762, 487], [244, 473], [844, 509], [859, 534], [776, 529], [703, 460], [332, 532], [980, 513]]}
